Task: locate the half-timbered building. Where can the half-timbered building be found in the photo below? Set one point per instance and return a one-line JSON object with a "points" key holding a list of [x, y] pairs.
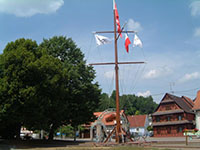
{"points": [[173, 115]]}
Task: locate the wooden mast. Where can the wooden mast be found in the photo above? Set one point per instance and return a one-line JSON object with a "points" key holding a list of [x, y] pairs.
{"points": [[118, 129]]}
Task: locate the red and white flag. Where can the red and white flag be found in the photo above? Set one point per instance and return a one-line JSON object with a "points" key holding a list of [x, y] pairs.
{"points": [[127, 42], [117, 18]]}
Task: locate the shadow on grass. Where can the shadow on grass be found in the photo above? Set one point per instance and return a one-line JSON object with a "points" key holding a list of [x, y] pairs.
{"points": [[26, 144]]}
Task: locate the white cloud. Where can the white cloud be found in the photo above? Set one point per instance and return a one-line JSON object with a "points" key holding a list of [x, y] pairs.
{"points": [[133, 25], [28, 8], [144, 94], [151, 74], [109, 74], [195, 8], [197, 32], [191, 76], [155, 73]]}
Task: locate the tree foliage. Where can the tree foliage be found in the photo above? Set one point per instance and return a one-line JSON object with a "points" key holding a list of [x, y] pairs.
{"points": [[83, 95], [132, 104], [16, 87], [45, 86]]}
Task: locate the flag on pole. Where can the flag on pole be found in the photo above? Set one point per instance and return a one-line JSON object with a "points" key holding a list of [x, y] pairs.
{"points": [[127, 42], [101, 40], [137, 41], [117, 18]]}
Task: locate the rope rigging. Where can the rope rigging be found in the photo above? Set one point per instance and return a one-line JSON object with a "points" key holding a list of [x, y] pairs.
{"points": [[129, 76]]}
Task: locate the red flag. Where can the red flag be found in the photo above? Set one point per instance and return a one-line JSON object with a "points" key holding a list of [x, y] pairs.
{"points": [[127, 42], [117, 18]]}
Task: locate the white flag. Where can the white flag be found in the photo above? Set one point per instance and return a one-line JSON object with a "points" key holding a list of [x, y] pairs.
{"points": [[137, 41], [102, 39]]}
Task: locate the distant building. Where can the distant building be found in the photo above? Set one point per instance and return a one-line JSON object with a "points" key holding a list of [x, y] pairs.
{"points": [[173, 115], [104, 124], [138, 124], [196, 110]]}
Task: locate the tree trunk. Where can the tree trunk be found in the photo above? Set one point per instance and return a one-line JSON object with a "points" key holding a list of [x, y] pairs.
{"points": [[51, 132], [18, 130]]}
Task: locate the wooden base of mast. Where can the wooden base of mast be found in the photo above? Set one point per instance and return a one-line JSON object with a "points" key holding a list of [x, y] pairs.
{"points": [[119, 136]]}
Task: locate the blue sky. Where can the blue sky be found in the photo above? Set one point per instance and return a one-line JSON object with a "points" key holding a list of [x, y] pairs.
{"points": [[169, 30]]}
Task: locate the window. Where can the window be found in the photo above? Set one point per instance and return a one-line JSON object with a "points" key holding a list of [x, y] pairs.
{"points": [[137, 129], [168, 118], [158, 131], [180, 129], [179, 117], [168, 108], [168, 130], [157, 119]]}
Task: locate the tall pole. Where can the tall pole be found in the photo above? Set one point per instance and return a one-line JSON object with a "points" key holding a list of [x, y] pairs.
{"points": [[118, 129]]}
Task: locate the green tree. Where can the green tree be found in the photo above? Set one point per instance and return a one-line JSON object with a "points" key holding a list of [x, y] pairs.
{"points": [[105, 102], [31, 88], [67, 130], [137, 112], [83, 94], [45, 87], [149, 128], [15, 71], [132, 104], [52, 94]]}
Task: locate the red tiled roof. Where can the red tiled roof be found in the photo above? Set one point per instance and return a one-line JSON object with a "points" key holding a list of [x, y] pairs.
{"points": [[182, 102], [97, 114], [108, 119], [189, 101], [197, 101], [172, 123], [137, 120], [157, 113]]}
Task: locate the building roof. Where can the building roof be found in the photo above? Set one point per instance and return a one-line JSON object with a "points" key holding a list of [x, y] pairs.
{"points": [[172, 122], [137, 120], [168, 112], [109, 119], [182, 102], [190, 102], [197, 102]]}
